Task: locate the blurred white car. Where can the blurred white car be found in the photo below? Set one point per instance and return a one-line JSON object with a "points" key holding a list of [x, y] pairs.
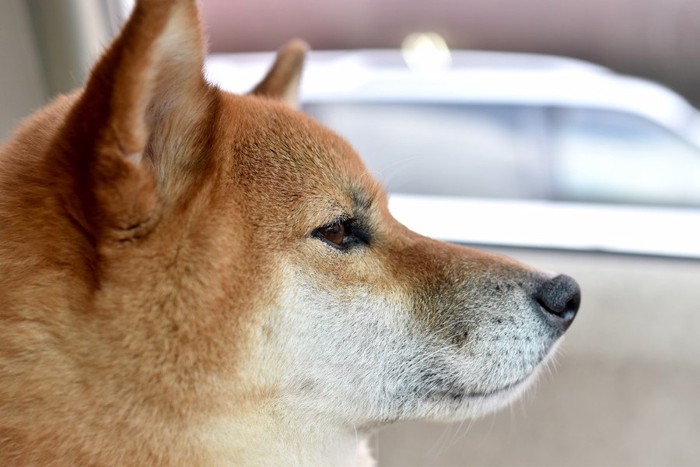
{"points": [[511, 149]]}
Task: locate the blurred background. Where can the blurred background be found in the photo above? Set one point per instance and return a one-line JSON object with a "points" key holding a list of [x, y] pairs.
{"points": [[625, 389], [650, 38]]}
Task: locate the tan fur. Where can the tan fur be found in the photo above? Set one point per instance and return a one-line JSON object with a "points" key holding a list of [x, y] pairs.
{"points": [[159, 275], [282, 81]]}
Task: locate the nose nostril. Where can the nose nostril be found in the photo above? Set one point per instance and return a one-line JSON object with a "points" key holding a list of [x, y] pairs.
{"points": [[574, 303], [560, 296]]}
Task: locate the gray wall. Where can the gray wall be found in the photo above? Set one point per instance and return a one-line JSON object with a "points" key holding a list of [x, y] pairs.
{"points": [[21, 81], [47, 47]]}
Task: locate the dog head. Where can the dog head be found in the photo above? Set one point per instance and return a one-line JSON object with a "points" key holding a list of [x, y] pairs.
{"points": [[226, 257]]}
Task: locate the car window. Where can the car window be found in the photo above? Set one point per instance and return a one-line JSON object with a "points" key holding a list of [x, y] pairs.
{"points": [[609, 156], [443, 149]]}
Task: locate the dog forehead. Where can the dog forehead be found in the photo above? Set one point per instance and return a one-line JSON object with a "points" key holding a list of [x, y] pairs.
{"points": [[269, 146]]}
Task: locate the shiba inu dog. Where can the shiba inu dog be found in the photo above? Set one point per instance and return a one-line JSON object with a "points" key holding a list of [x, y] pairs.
{"points": [[191, 277]]}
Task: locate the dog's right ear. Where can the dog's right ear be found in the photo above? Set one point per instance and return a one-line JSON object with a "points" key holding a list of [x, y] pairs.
{"points": [[134, 135], [283, 79]]}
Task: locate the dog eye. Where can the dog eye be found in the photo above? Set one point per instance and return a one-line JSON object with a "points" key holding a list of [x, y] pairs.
{"points": [[343, 234], [333, 233]]}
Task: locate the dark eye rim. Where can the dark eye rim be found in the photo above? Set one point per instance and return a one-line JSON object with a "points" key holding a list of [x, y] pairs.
{"points": [[355, 233]]}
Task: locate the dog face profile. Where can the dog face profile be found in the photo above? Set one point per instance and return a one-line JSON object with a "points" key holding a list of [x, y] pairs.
{"points": [[191, 277]]}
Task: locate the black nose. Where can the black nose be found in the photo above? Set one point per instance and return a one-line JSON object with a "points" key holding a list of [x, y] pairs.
{"points": [[560, 297]]}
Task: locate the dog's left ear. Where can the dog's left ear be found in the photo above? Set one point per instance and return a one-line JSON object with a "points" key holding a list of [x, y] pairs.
{"points": [[283, 79], [133, 140]]}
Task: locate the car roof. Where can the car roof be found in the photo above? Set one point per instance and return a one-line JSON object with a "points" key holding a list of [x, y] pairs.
{"points": [[383, 76]]}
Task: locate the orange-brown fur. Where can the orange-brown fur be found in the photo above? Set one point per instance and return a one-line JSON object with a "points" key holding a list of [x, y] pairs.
{"points": [[144, 224]]}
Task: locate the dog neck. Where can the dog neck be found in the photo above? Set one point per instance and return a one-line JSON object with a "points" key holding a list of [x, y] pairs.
{"points": [[256, 440]]}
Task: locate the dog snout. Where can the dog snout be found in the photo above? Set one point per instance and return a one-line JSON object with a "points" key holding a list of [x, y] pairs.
{"points": [[560, 298]]}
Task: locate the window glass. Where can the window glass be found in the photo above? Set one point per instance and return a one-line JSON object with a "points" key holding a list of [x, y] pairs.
{"points": [[606, 156], [443, 149]]}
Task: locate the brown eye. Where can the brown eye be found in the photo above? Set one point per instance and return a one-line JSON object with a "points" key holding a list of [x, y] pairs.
{"points": [[343, 234], [334, 233]]}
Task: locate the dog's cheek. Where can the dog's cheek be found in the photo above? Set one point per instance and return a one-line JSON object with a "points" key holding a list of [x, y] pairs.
{"points": [[345, 348]]}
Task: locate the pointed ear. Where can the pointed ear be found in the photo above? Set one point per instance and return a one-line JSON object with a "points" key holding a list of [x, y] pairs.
{"points": [[135, 127], [283, 79]]}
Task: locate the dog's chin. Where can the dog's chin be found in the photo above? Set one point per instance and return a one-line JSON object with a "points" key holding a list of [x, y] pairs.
{"points": [[456, 404], [482, 404], [490, 401]]}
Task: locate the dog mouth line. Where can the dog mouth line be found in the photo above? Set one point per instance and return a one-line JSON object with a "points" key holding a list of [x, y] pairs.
{"points": [[501, 390], [456, 395]]}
